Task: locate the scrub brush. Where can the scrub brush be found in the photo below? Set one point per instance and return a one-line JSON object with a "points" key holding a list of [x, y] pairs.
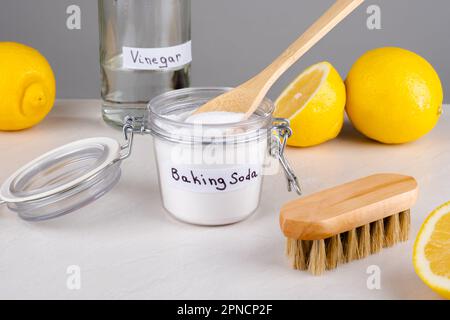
{"points": [[348, 222]]}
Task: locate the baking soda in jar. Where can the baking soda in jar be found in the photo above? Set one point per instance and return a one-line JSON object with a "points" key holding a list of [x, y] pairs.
{"points": [[210, 165]]}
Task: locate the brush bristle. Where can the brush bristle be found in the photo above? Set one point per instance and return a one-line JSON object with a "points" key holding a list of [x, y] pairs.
{"points": [[351, 245], [405, 224], [299, 260], [363, 241], [290, 246], [326, 254], [377, 236], [392, 230], [334, 252], [317, 258]]}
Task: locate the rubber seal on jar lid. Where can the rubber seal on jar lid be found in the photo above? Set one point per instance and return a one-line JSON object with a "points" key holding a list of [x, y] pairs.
{"points": [[63, 179]]}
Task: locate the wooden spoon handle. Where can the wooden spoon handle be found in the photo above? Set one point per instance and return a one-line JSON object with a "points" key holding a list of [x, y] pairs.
{"points": [[335, 14], [248, 96]]}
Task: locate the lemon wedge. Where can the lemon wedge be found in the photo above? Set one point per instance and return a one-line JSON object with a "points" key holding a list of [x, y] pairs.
{"points": [[314, 103], [431, 255]]}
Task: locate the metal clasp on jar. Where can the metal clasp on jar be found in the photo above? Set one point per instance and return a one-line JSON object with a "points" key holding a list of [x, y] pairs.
{"points": [[129, 127], [283, 132]]}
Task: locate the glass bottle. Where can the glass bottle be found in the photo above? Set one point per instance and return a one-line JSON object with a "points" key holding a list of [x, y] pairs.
{"points": [[145, 50]]}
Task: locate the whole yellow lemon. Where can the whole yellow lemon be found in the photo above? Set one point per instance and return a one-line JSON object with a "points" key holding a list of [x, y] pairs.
{"points": [[27, 86], [393, 95]]}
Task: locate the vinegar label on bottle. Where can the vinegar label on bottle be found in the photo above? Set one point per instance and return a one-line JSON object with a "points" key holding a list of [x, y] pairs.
{"points": [[157, 58], [213, 180]]}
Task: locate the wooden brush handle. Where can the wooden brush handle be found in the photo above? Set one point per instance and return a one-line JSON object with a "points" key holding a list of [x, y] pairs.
{"points": [[348, 206], [335, 14]]}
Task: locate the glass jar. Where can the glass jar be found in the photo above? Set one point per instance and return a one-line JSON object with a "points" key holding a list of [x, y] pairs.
{"points": [[145, 50], [209, 174]]}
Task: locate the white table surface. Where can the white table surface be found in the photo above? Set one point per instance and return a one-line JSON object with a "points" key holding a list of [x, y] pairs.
{"points": [[127, 246]]}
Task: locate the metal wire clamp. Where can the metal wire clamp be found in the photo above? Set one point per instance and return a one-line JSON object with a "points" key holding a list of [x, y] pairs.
{"points": [[283, 132]]}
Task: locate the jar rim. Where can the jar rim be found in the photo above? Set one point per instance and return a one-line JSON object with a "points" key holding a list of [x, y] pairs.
{"points": [[164, 98]]}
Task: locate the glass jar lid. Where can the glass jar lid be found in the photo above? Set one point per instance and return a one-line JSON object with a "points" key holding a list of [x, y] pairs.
{"points": [[63, 179], [168, 112]]}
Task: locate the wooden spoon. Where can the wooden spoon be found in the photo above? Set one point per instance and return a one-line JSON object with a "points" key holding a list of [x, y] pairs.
{"points": [[248, 96]]}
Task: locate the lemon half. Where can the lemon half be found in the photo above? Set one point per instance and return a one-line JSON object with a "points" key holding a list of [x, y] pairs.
{"points": [[431, 255], [314, 104]]}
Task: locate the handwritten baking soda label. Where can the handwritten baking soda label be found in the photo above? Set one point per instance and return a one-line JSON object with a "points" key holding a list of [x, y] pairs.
{"points": [[213, 180], [157, 58]]}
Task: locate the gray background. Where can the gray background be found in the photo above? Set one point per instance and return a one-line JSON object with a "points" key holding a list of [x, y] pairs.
{"points": [[233, 39]]}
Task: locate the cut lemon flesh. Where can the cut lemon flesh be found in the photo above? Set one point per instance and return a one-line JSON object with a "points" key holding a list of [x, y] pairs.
{"points": [[299, 92], [432, 251], [314, 103]]}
